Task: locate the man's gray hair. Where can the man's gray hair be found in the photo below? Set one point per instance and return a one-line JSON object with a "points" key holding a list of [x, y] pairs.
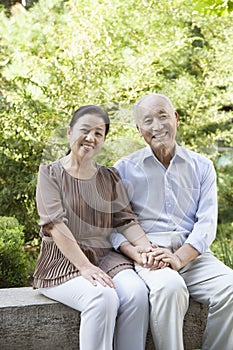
{"points": [[139, 102]]}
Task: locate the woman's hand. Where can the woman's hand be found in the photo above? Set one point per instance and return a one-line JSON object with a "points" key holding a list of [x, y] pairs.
{"points": [[154, 263], [143, 256], [67, 244], [137, 253], [147, 257], [93, 273]]}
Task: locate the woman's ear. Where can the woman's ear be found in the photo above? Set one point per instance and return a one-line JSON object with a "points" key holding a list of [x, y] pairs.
{"points": [[68, 132]]}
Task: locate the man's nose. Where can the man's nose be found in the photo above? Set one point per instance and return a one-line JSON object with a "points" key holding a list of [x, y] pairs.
{"points": [[156, 125]]}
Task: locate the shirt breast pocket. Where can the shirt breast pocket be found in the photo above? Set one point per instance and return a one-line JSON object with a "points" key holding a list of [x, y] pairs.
{"points": [[187, 200]]}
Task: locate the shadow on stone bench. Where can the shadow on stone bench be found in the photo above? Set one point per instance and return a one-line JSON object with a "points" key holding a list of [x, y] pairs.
{"points": [[29, 321]]}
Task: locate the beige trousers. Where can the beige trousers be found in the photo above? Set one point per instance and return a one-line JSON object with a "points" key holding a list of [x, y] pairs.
{"points": [[208, 281]]}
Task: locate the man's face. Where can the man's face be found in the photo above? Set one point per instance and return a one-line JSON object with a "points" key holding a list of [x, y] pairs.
{"points": [[157, 123]]}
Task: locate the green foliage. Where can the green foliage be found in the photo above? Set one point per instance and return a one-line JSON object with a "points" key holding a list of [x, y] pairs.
{"points": [[223, 245], [225, 187], [61, 54], [13, 264], [219, 7]]}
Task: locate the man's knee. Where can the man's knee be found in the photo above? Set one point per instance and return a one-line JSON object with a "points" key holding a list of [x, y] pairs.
{"points": [[222, 295], [172, 286]]}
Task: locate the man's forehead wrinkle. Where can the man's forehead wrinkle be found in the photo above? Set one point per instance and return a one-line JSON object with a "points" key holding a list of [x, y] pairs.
{"points": [[152, 111], [152, 104]]}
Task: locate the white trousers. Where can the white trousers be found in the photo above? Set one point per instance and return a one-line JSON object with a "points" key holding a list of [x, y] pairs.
{"points": [[108, 315], [208, 281]]}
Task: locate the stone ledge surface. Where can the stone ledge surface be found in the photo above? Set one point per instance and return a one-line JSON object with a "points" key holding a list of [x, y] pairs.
{"points": [[28, 320]]}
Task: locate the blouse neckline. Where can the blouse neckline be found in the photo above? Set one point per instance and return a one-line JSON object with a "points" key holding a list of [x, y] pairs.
{"points": [[77, 178]]}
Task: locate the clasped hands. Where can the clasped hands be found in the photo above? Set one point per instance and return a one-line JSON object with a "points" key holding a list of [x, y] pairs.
{"points": [[151, 256], [155, 257]]}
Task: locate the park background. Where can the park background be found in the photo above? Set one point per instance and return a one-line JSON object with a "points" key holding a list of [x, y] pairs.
{"points": [[57, 55]]}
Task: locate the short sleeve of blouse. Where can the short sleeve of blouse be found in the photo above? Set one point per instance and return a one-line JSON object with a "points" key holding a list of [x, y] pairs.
{"points": [[48, 195]]}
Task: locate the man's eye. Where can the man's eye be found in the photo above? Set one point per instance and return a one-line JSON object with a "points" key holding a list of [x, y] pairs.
{"points": [[147, 121]]}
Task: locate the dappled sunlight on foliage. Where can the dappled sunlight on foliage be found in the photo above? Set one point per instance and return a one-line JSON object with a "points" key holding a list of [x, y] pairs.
{"points": [[58, 55]]}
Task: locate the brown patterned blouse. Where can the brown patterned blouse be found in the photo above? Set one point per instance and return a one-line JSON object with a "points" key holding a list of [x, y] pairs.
{"points": [[90, 208]]}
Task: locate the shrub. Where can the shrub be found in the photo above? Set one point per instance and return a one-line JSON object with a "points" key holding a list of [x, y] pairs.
{"points": [[223, 245], [13, 262]]}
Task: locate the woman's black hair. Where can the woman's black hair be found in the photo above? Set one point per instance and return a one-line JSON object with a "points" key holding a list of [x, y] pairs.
{"points": [[91, 109]]}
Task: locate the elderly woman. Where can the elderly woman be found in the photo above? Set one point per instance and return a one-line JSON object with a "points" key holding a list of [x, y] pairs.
{"points": [[79, 203]]}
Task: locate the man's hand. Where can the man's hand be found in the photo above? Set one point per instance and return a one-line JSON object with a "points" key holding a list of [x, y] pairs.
{"points": [[163, 257], [144, 255]]}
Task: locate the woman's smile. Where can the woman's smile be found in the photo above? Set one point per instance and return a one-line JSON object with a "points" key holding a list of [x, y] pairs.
{"points": [[87, 146]]}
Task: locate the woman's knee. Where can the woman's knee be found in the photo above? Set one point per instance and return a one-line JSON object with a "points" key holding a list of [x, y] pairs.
{"points": [[81, 295], [103, 300], [131, 289]]}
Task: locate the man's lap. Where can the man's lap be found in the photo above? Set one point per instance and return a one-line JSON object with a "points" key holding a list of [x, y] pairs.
{"points": [[203, 277], [206, 277]]}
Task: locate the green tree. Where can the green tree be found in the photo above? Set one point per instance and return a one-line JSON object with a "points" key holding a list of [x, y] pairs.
{"points": [[61, 54]]}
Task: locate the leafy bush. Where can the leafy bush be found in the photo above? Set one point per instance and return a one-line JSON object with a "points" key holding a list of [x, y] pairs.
{"points": [[223, 245], [62, 54], [225, 194], [13, 263]]}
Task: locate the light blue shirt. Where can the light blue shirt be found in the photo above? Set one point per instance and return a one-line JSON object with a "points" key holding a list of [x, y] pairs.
{"points": [[173, 205]]}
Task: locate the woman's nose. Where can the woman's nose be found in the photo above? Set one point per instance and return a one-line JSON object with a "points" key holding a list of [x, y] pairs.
{"points": [[90, 136]]}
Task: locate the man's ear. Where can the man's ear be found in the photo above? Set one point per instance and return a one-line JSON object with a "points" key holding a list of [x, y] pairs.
{"points": [[177, 118], [139, 129]]}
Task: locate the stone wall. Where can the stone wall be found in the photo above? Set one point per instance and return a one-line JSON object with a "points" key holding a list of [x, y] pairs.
{"points": [[30, 321]]}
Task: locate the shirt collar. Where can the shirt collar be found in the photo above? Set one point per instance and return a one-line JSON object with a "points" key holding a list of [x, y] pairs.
{"points": [[182, 152], [179, 152]]}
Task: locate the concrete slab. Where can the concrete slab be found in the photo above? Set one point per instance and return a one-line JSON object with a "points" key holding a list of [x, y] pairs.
{"points": [[30, 321], [25, 296]]}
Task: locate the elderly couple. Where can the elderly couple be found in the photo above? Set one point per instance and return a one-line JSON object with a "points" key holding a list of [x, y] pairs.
{"points": [[158, 208]]}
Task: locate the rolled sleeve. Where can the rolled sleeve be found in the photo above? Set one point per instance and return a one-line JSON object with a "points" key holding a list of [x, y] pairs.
{"points": [[48, 196], [117, 239]]}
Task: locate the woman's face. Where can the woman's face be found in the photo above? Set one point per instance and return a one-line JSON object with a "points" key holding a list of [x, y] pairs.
{"points": [[87, 136]]}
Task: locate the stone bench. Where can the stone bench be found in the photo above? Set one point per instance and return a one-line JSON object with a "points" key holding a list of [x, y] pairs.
{"points": [[30, 321]]}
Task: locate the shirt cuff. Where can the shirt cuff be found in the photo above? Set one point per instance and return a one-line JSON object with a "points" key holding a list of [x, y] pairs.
{"points": [[117, 239]]}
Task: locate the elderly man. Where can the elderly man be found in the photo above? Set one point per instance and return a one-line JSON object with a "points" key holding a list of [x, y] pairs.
{"points": [[173, 192]]}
